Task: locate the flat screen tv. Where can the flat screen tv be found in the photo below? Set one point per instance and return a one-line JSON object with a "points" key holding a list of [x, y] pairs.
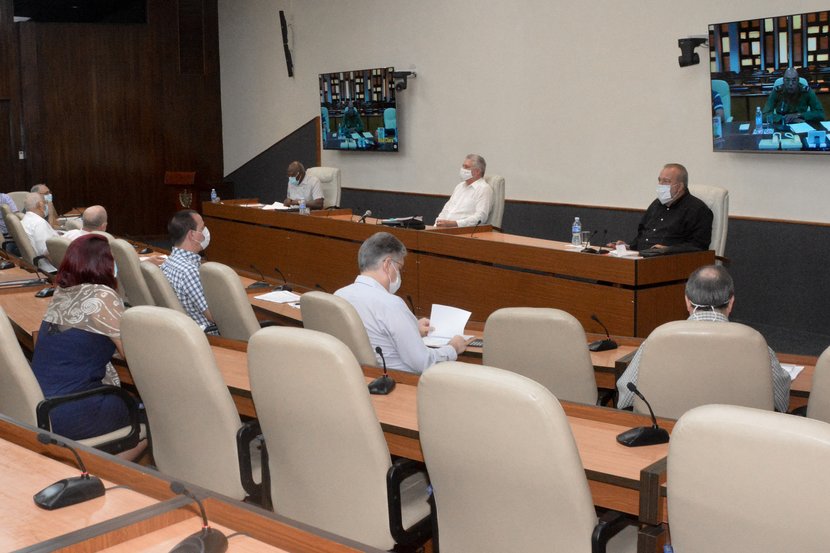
{"points": [[770, 81], [358, 111]]}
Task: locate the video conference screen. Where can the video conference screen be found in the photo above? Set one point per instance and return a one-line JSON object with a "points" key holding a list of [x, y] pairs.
{"points": [[770, 82], [358, 110]]}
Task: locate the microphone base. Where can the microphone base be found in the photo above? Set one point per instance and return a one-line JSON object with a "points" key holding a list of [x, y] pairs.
{"points": [[69, 491], [603, 345], [209, 540], [285, 287], [382, 385], [258, 285], [643, 435], [588, 250]]}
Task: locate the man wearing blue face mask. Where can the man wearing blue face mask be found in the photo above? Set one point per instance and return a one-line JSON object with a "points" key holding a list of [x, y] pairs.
{"points": [[51, 213], [303, 187], [675, 218]]}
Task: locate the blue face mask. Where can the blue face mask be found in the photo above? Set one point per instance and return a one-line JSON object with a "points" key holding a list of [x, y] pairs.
{"points": [[293, 181]]}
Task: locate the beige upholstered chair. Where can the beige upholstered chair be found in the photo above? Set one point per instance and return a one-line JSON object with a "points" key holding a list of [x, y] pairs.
{"points": [[18, 197], [747, 480], [334, 315], [328, 458], [503, 463], [160, 289], [56, 246], [129, 273], [545, 345], [722, 88], [20, 395], [193, 420], [496, 182], [689, 363], [330, 182], [18, 234], [228, 302], [718, 201], [819, 405]]}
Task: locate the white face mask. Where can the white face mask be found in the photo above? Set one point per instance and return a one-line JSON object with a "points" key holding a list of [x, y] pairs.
{"points": [[206, 240], [465, 174], [395, 284], [48, 197], [293, 181], [664, 193]]}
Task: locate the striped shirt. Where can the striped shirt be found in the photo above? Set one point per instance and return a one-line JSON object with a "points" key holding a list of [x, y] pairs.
{"points": [[182, 270]]}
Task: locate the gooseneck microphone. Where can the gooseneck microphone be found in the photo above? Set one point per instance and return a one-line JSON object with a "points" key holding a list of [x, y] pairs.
{"points": [[320, 287], [604, 241], [68, 491], [207, 540], [475, 227], [285, 286], [259, 284], [363, 218], [588, 248], [602, 345], [643, 435], [384, 384]]}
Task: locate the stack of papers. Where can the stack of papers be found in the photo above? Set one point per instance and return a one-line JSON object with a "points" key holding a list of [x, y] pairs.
{"points": [[446, 322], [280, 296], [275, 205], [792, 370]]}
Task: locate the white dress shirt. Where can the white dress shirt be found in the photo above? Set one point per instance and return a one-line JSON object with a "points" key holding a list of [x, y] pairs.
{"points": [[469, 204], [38, 230], [392, 326], [75, 233], [310, 189]]}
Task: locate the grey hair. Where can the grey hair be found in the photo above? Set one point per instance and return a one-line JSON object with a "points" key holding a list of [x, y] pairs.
{"points": [[684, 174], [478, 162], [31, 201], [37, 187], [376, 248], [710, 286]]}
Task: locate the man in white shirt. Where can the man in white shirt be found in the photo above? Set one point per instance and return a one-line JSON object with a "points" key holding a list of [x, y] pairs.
{"points": [[37, 229], [94, 218], [388, 321], [472, 198], [303, 187]]}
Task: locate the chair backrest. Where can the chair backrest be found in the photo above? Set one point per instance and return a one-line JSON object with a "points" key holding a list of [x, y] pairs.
{"points": [[748, 477], [779, 82], [192, 417], [330, 182], [228, 302], [19, 389], [718, 201], [56, 246], [545, 345], [334, 315], [499, 449], [163, 294], [689, 363], [18, 234], [722, 88], [819, 405], [329, 459], [496, 182], [18, 197], [390, 118], [129, 273], [324, 121]]}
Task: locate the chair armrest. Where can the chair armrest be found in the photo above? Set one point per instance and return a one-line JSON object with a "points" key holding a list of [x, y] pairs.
{"points": [[420, 532], [609, 525], [211, 328], [246, 434], [116, 446]]}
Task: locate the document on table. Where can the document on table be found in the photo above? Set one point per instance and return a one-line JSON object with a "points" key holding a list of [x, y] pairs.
{"points": [[446, 322], [801, 127], [279, 296], [278, 206], [792, 370]]}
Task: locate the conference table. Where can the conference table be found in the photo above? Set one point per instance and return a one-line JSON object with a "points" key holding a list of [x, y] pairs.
{"points": [[477, 269]]}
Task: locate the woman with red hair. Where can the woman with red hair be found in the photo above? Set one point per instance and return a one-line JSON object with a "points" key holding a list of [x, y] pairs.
{"points": [[77, 338]]}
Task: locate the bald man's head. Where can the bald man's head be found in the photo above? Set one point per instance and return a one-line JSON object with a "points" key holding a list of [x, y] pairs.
{"points": [[94, 218]]}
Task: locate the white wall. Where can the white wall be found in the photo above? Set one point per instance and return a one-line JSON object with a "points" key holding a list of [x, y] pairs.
{"points": [[573, 102]]}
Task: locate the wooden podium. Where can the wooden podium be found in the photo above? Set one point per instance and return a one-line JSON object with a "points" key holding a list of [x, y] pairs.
{"points": [[184, 190]]}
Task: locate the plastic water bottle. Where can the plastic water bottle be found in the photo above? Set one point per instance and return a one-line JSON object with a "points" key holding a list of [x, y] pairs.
{"points": [[576, 233], [668, 548], [214, 197], [759, 119], [302, 207]]}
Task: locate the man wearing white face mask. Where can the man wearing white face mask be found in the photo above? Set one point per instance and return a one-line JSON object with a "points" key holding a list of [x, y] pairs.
{"points": [[190, 236], [49, 208], [675, 218], [303, 187], [388, 321], [710, 295], [472, 198]]}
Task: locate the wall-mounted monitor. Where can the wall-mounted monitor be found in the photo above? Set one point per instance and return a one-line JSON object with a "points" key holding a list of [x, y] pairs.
{"points": [[358, 111], [770, 81]]}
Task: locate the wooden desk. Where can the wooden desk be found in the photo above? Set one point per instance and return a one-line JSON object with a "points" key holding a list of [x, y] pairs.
{"points": [[25, 313], [481, 273]]}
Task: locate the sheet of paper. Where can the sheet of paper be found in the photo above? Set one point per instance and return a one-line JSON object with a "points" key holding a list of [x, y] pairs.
{"points": [[275, 205], [792, 370], [801, 127], [826, 125], [279, 296], [251, 205], [447, 322]]}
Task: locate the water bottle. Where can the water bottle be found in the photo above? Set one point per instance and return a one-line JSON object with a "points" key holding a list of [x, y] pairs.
{"points": [[576, 233], [302, 207], [214, 197], [759, 119], [668, 548]]}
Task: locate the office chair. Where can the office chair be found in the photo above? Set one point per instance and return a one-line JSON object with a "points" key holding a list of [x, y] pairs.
{"points": [[742, 479], [24, 244], [22, 399], [228, 302], [335, 316], [818, 407], [689, 363], [496, 182], [717, 199], [56, 246], [545, 345], [330, 464], [19, 198], [129, 273], [197, 433], [330, 183], [505, 468], [722, 88], [160, 289]]}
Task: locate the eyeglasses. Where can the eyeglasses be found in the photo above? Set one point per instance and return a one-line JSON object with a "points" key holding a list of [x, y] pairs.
{"points": [[398, 264]]}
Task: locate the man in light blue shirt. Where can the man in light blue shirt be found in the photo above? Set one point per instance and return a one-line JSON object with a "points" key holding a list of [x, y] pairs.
{"points": [[388, 321]]}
